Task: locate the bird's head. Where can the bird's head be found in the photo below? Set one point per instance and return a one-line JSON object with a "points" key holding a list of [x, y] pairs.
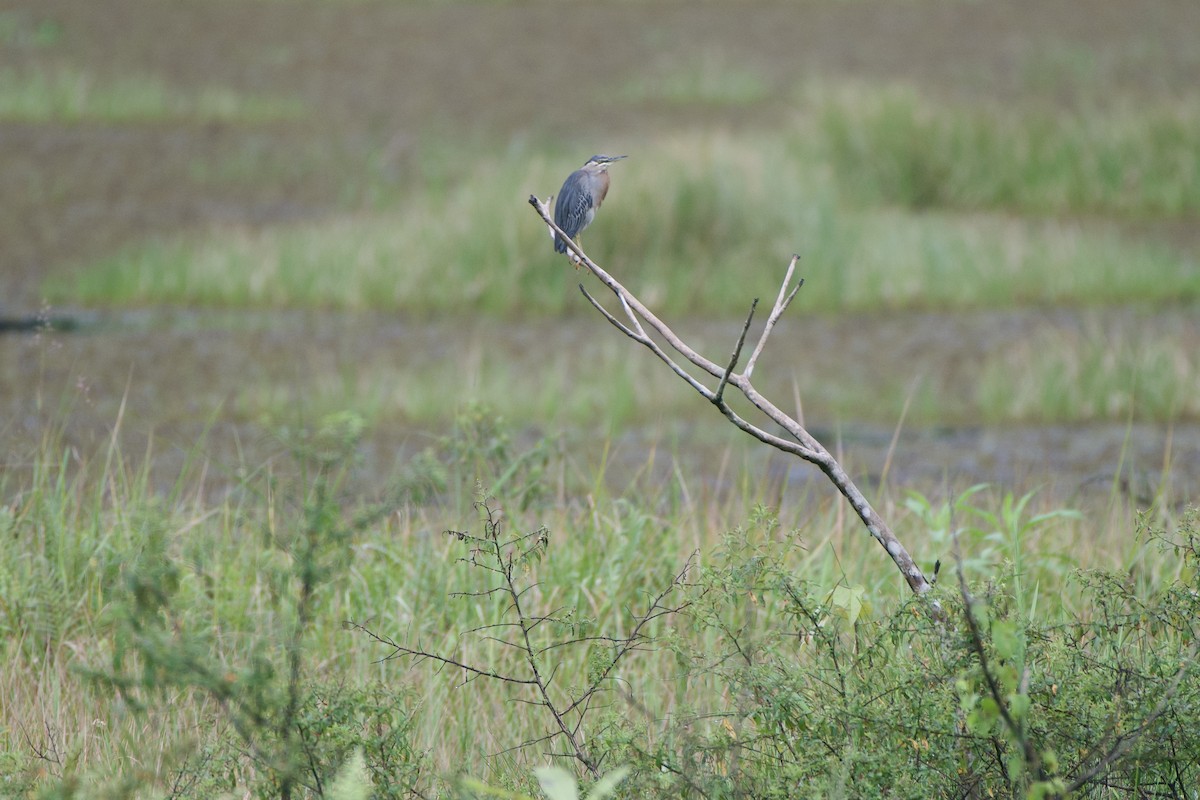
{"points": [[602, 162]]}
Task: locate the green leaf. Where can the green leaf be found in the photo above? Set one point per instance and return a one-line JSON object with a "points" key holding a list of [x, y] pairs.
{"points": [[353, 781], [1043, 789], [607, 786], [849, 601], [981, 720], [557, 783], [1008, 640]]}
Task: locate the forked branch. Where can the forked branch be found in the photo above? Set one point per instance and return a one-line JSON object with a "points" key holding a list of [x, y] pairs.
{"points": [[695, 369], [530, 632]]}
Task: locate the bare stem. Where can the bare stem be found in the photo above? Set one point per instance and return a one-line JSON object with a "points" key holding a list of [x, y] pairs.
{"points": [[737, 353], [503, 558], [802, 444], [781, 304]]}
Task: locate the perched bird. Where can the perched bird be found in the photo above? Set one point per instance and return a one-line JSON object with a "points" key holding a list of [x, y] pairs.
{"points": [[581, 194]]}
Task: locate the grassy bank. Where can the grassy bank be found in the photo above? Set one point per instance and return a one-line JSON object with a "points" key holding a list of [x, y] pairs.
{"points": [[1093, 373], [107, 580], [900, 148], [895, 202], [72, 96]]}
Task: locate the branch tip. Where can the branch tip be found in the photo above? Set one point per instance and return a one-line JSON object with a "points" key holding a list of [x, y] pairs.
{"points": [[718, 398]]}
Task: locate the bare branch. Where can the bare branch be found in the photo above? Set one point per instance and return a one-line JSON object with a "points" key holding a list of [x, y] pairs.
{"points": [[641, 338], [737, 353], [781, 304], [616, 322], [504, 554], [628, 297], [399, 650], [637, 325], [805, 445]]}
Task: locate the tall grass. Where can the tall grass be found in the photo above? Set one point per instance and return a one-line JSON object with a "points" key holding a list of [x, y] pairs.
{"points": [[895, 146], [24, 29], [580, 383], [1094, 373], [69, 95], [704, 79], [77, 528], [697, 224]]}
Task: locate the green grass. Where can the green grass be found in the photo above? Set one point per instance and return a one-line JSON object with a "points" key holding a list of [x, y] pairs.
{"points": [[583, 376], [69, 95], [23, 29], [697, 225], [76, 529], [896, 201], [1095, 373], [895, 146], [703, 80], [593, 383]]}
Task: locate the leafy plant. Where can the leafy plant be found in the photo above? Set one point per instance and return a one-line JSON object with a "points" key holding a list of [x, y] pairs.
{"points": [[294, 732], [797, 692], [557, 784], [539, 636]]}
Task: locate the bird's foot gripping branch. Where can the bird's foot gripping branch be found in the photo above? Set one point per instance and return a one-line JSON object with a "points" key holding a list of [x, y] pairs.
{"points": [[697, 371]]}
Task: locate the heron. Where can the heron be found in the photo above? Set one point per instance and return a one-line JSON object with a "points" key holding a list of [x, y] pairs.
{"points": [[581, 194]]}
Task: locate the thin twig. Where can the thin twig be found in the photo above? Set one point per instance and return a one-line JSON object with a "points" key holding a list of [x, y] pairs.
{"points": [[504, 555], [1126, 740], [781, 304], [543, 685], [616, 322], [643, 339], [737, 353], [637, 324], [399, 650], [634, 635]]}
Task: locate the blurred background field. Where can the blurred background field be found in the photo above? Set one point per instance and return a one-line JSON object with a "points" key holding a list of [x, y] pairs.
{"points": [[247, 219], [985, 199]]}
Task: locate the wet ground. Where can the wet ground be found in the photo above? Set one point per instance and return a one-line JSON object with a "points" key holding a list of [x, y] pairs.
{"points": [[170, 380], [381, 79], [378, 78]]}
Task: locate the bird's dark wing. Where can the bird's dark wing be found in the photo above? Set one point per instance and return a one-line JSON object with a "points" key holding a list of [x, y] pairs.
{"points": [[571, 208]]}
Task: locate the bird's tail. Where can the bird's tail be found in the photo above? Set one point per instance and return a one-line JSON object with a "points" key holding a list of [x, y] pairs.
{"points": [[560, 244]]}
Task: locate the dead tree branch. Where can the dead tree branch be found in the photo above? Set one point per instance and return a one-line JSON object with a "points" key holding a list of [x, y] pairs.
{"points": [[801, 443], [504, 559]]}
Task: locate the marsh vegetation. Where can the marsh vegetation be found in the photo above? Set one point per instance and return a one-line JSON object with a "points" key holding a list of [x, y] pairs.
{"points": [[317, 331]]}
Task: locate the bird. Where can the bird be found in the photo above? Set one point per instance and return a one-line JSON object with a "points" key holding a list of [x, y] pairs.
{"points": [[581, 194]]}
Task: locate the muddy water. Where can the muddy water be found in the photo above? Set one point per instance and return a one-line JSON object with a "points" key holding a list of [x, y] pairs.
{"points": [[169, 381]]}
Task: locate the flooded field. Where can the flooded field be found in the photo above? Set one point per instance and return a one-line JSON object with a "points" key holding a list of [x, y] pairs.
{"points": [[333, 111], [215, 386], [275, 315]]}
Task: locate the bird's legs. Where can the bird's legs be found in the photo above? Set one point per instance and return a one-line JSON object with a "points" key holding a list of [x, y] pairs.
{"points": [[574, 256]]}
